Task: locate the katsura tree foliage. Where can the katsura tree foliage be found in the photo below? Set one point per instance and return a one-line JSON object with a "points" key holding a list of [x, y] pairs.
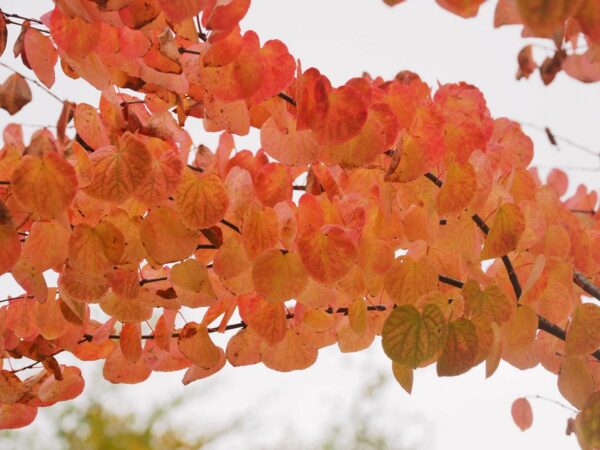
{"points": [[368, 209]]}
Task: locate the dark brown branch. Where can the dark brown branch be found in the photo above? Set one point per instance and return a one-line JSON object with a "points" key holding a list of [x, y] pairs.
{"points": [[201, 34], [287, 98], [5, 183], [151, 280], [206, 247], [543, 323], [17, 16], [584, 283], [450, 281], [299, 188], [183, 50], [591, 212], [87, 147], [9, 299], [195, 169], [230, 225]]}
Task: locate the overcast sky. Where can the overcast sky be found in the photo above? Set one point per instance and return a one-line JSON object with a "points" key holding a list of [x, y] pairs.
{"points": [[343, 38]]}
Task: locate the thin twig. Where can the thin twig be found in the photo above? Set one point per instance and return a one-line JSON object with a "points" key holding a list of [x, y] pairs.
{"points": [[556, 402], [34, 81]]}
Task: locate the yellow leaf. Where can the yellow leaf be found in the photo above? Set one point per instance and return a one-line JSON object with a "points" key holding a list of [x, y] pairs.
{"points": [[458, 188], [587, 423], [410, 337], [408, 280], [505, 232], [357, 316], [583, 334], [403, 375], [491, 304], [575, 381]]}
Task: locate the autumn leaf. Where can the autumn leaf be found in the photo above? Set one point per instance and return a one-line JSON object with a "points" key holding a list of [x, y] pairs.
{"points": [[410, 337], [460, 350], [46, 185], [506, 230], [14, 94], [41, 55], [279, 276], [521, 413], [583, 334]]}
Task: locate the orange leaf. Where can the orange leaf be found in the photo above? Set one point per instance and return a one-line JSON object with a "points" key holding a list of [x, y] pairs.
{"points": [[575, 381], [291, 353], [201, 200], [119, 171], [41, 55], [461, 348], [45, 185], [10, 246], [361, 149], [505, 232], [408, 280], [119, 370], [179, 10], [287, 144], [192, 285], [491, 304], [89, 126], [260, 230], [94, 250], [267, 319], [243, 349], [410, 337], [165, 237], [522, 413], [583, 334], [196, 345], [16, 415], [11, 387], [328, 253], [273, 184], [126, 309], [194, 373], [279, 277], [163, 178], [130, 341], [463, 8], [521, 329], [403, 375], [544, 18], [47, 245], [458, 188], [71, 385]]}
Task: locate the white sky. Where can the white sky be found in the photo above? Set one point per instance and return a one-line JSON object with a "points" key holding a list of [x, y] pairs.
{"points": [[343, 38]]}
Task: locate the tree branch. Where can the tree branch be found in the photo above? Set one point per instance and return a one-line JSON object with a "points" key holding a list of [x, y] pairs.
{"points": [[543, 323]]}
